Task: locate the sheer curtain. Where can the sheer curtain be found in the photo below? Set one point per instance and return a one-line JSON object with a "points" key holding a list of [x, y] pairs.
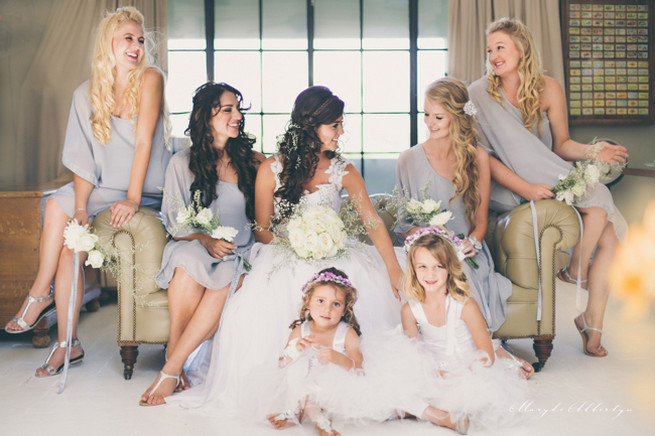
{"points": [[468, 20], [62, 62]]}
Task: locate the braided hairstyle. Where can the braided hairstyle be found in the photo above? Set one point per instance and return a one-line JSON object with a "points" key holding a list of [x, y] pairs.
{"points": [[349, 292], [203, 155], [299, 145]]}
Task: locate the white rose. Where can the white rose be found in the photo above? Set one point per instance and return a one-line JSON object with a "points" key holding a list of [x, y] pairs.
{"points": [[204, 217], [72, 234], [319, 225], [311, 242], [226, 233], [441, 219], [183, 215], [87, 241], [592, 174], [296, 237], [579, 189], [325, 245], [429, 206], [565, 196], [413, 205], [95, 259]]}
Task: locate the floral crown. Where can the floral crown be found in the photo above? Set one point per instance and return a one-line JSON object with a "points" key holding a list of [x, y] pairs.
{"points": [[470, 109], [448, 235], [327, 276]]}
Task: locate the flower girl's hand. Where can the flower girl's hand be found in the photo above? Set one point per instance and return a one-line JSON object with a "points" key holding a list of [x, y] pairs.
{"points": [[328, 355], [218, 248], [306, 342]]}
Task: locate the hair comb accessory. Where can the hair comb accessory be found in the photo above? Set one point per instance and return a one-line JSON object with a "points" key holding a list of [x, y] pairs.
{"points": [[327, 277], [470, 109]]}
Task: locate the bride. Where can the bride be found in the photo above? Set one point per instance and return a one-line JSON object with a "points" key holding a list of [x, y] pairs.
{"points": [[255, 322]]}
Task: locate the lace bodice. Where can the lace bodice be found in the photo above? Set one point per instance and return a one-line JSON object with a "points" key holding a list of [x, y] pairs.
{"points": [[327, 194]]}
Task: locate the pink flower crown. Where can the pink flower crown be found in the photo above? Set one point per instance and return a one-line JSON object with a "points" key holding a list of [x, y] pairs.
{"points": [[448, 235], [327, 277]]}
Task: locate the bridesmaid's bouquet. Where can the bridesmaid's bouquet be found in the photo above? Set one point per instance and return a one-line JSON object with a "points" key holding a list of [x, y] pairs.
{"points": [[80, 238], [316, 232], [426, 212], [201, 218]]}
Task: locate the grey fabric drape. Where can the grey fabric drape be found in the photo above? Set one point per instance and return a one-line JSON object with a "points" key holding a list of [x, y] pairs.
{"points": [[468, 20], [62, 62]]}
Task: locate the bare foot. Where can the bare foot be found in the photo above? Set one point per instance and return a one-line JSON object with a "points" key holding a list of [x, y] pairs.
{"points": [[33, 312], [527, 370], [165, 389], [280, 420], [57, 360]]}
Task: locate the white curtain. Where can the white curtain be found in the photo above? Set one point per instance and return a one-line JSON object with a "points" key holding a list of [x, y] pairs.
{"points": [[62, 62], [468, 20]]}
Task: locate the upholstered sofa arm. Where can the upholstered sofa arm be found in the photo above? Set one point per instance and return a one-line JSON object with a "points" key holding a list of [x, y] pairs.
{"points": [[138, 246], [512, 240]]}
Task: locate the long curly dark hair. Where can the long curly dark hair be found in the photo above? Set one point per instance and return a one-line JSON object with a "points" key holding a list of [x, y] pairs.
{"points": [[349, 292], [203, 156], [299, 145]]}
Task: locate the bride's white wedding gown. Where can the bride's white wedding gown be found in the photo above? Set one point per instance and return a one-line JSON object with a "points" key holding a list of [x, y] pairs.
{"points": [[255, 324]]}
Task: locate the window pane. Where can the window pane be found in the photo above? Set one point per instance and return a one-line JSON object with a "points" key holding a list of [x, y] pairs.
{"points": [[380, 172], [186, 24], [179, 123], [386, 133], [432, 65], [386, 24], [336, 24], [421, 128], [186, 72], [351, 140], [284, 76], [432, 24], [274, 125], [236, 24], [243, 71], [342, 73], [284, 24], [253, 125], [386, 81]]}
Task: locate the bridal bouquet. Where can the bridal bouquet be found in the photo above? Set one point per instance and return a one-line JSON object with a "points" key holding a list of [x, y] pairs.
{"points": [[316, 232], [201, 218], [80, 238]]}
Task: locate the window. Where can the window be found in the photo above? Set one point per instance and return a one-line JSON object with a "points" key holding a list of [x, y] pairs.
{"points": [[376, 55]]}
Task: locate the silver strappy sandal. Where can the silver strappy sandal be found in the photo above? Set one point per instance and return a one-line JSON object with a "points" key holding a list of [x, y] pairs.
{"points": [[74, 361], [21, 319]]}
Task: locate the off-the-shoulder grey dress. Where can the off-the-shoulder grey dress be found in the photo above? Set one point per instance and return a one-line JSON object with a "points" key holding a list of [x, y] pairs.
{"points": [[528, 154], [108, 166], [489, 288], [208, 271]]}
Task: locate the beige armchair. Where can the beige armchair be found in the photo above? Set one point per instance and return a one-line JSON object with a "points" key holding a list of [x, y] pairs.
{"points": [[142, 305]]}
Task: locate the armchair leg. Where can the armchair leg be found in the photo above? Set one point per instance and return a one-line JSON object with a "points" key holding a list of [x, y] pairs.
{"points": [[41, 338], [542, 347], [129, 353]]}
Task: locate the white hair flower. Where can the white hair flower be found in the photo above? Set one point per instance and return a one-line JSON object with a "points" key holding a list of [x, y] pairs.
{"points": [[470, 109]]}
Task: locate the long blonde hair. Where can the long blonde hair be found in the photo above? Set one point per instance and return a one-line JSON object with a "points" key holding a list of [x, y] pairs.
{"points": [[532, 81], [452, 95], [444, 252], [103, 73]]}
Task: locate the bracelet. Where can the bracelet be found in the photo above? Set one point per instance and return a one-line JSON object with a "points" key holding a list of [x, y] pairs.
{"points": [[83, 209], [477, 245]]}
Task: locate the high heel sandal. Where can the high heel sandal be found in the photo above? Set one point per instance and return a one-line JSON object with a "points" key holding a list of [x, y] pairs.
{"points": [[74, 361], [585, 337], [21, 319], [564, 276], [163, 377]]}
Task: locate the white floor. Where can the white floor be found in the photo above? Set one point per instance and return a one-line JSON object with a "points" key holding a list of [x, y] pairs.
{"points": [[573, 395]]}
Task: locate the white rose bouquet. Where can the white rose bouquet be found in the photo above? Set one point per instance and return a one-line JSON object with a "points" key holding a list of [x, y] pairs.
{"points": [[426, 212], [81, 238], [316, 232], [201, 218]]}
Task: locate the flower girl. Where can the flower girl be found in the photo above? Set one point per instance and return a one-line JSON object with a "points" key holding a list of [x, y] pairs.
{"points": [[322, 347], [466, 380]]}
